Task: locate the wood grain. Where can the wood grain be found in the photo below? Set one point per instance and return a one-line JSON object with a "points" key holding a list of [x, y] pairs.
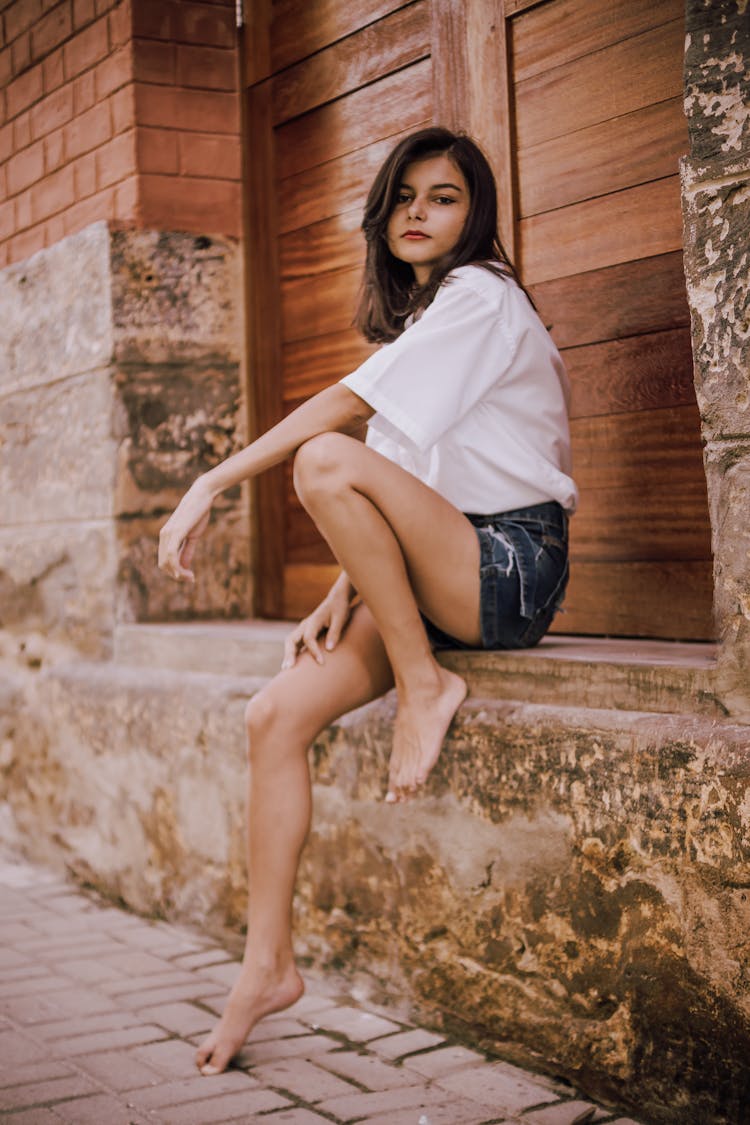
{"points": [[256, 42], [623, 300], [311, 364], [377, 49], [616, 154], [316, 310], [382, 109], [636, 373], [619, 79], [639, 222], [557, 33], [332, 244], [305, 586], [667, 600], [264, 335], [303, 26], [335, 187]]}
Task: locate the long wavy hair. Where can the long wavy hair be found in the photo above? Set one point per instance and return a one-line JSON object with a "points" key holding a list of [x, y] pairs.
{"points": [[389, 292]]}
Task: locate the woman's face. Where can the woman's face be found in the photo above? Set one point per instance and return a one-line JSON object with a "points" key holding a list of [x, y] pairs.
{"points": [[429, 214]]}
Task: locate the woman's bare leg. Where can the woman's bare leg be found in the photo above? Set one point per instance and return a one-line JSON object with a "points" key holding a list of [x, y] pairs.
{"points": [[282, 720], [405, 548]]}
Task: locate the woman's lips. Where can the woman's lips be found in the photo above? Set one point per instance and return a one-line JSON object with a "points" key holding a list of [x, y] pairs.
{"points": [[414, 235]]}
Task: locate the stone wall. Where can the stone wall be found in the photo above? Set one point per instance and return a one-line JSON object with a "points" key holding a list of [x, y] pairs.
{"points": [[119, 382], [716, 202]]}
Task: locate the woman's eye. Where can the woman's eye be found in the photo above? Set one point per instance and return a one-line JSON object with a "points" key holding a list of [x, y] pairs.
{"points": [[444, 199], [403, 197]]}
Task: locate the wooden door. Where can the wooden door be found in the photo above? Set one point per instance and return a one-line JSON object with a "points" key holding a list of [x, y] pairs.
{"points": [[577, 103]]}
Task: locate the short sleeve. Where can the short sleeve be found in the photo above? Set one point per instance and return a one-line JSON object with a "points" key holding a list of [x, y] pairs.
{"points": [[424, 382]]}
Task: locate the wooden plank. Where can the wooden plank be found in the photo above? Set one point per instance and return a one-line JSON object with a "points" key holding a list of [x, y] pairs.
{"points": [[636, 373], [383, 109], [390, 44], [332, 244], [256, 42], [619, 79], [303, 26], [639, 222], [622, 300], [667, 600], [557, 33], [264, 336], [305, 587], [311, 364], [335, 187], [642, 485], [316, 310], [450, 63], [513, 7], [616, 154]]}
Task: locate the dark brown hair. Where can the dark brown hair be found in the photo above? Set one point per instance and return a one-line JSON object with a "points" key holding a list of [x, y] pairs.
{"points": [[389, 292]]}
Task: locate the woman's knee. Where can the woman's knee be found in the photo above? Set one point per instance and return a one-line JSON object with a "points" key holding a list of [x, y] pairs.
{"points": [[261, 716], [321, 463]]}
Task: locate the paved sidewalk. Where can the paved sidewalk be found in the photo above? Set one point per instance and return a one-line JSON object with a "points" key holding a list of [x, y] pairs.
{"points": [[100, 1012]]}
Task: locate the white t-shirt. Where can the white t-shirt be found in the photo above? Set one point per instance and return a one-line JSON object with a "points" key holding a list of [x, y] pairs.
{"points": [[472, 398]]}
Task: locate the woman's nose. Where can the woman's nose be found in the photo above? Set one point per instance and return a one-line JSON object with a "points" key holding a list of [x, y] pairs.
{"points": [[416, 208]]}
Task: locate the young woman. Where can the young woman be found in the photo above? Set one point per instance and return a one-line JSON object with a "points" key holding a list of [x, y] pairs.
{"points": [[450, 523]]}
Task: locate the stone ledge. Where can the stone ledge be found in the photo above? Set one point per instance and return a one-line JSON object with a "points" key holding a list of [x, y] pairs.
{"points": [[656, 676]]}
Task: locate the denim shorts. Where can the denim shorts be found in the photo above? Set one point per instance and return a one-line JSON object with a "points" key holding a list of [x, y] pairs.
{"points": [[523, 575]]}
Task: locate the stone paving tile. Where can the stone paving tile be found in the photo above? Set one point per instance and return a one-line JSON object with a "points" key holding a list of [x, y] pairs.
{"points": [[107, 1040], [85, 1025], [17, 1049], [148, 997], [142, 984], [436, 1064], [366, 1105], [356, 1025], [38, 1071], [493, 1086], [37, 1093], [35, 1117], [229, 1107], [172, 1058], [453, 1112], [408, 1042], [192, 1090], [564, 1113], [181, 1017], [98, 1110], [303, 1079], [296, 1117], [119, 1070], [204, 958], [277, 1029], [367, 1071], [303, 1046]]}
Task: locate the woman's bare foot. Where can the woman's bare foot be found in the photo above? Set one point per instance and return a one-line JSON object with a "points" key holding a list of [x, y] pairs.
{"points": [[255, 994], [422, 721]]}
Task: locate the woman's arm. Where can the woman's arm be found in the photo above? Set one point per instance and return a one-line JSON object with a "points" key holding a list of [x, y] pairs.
{"points": [[335, 408]]}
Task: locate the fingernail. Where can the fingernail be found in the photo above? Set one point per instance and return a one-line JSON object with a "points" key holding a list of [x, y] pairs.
{"points": [[210, 1070]]}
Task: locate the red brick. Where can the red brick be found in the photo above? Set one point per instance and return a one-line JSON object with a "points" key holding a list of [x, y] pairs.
{"points": [[3, 183], [52, 30], [52, 194], [54, 230], [84, 94], [154, 61], [21, 16], [202, 154], [113, 72], [154, 19], [4, 255], [115, 161], [86, 48], [205, 112], [21, 52], [27, 243], [206, 68], [52, 112], [182, 203], [103, 6], [54, 150], [197, 23], [84, 12], [25, 90], [127, 196], [120, 23], [6, 142], [53, 71], [5, 67], [84, 175], [157, 151], [88, 131], [122, 105], [7, 220], [87, 211], [25, 168], [22, 131], [23, 211]]}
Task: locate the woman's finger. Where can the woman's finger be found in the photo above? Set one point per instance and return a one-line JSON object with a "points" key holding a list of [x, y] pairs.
{"points": [[291, 644], [312, 646]]}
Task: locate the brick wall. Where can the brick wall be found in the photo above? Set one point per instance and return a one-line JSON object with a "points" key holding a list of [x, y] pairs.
{"points": [[125, 110]]}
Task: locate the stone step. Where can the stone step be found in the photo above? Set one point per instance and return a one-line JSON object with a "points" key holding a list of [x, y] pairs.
{"points": [[601, 673]]}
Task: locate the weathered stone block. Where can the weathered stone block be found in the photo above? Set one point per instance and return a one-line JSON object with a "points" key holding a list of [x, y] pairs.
{"points": [[175, 297], [59, 451], [57, 311], [717, 60], [222, 566], [57, 588]]}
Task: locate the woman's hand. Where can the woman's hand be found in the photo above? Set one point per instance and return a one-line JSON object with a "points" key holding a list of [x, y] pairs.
{"points": [[179, 535], [330, 618]]}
